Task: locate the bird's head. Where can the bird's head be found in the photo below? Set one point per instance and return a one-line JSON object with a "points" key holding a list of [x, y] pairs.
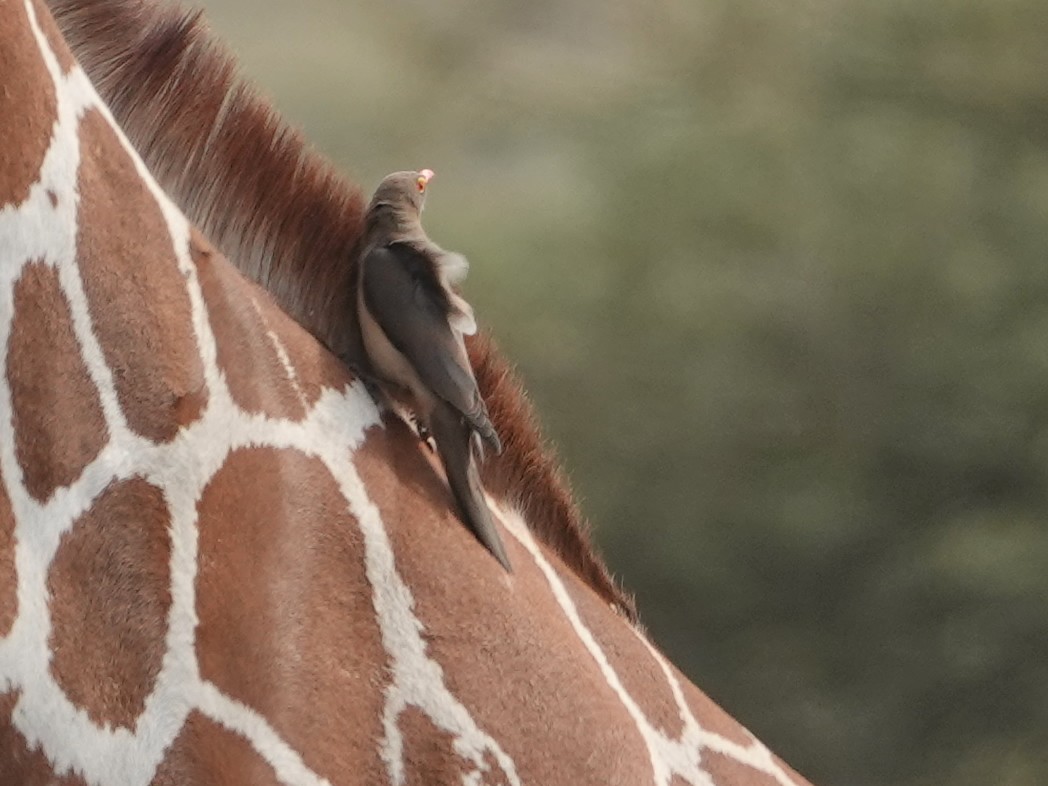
{"points": [[403, 191]]}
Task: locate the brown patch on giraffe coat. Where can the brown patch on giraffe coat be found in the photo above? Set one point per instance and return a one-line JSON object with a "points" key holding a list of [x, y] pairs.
{"points": [[54, 37], [109, 586], [8, 574], [287, 624], [139, 305], [18, 763], [247, 326], [257, 380], [206, 752], [507, 651], [58, 421], [725, 769], [430, 756], [28, 108], [637, 670]]}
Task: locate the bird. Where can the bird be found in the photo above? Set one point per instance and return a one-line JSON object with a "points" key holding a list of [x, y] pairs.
{"points": [[413, 323]]}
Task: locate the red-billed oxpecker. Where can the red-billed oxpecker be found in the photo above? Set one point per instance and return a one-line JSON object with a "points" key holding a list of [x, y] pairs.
{"points": [[412, 322]]}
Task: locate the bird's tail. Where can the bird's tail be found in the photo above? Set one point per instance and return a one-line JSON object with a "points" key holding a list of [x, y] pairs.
{"points": [[453, 436]]}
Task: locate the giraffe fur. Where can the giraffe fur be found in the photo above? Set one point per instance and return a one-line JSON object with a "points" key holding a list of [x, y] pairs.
{"points": [[285, 478]]}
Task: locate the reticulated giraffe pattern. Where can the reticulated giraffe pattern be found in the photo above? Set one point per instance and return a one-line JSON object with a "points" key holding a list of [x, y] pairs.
{"points": [[220, 562]]}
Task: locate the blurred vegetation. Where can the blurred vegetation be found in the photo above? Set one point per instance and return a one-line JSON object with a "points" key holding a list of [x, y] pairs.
{"points": [[776, 274]]}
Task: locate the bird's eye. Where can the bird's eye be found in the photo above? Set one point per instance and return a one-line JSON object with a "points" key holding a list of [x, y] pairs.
{"points": [[420, 182]]}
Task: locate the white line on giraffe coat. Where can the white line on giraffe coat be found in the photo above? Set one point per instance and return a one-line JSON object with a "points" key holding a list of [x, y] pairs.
{"points": [[669, 757], [282, 356]]}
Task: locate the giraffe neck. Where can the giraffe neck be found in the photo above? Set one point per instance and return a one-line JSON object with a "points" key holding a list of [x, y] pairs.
{"points": [[220, 564], [290, 222]]}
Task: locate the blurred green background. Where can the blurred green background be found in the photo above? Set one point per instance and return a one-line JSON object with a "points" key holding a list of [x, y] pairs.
{"points": [[776, 275]]}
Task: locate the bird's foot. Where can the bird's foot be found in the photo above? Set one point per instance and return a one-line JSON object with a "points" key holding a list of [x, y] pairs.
{"points": [[423, 432]]}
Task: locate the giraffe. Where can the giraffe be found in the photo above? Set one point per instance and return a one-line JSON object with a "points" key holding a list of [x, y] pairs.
{"points": [[221, 562]]}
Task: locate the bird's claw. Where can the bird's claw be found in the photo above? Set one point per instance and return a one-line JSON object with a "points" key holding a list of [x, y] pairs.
{"points": [[423, 432]]}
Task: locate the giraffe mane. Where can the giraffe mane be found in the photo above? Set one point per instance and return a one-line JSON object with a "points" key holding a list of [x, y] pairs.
{"points": [[251, 182], [290, 221]]}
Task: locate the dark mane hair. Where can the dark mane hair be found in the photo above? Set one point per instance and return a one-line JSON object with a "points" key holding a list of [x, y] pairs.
{"points": [[249, 181], [289, 221]]}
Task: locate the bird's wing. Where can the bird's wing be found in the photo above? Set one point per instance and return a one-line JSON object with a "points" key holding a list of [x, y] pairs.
{"points": [[405, 298]]}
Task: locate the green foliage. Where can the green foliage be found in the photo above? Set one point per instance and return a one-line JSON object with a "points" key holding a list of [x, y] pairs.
{"points": [[776, 274]]}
